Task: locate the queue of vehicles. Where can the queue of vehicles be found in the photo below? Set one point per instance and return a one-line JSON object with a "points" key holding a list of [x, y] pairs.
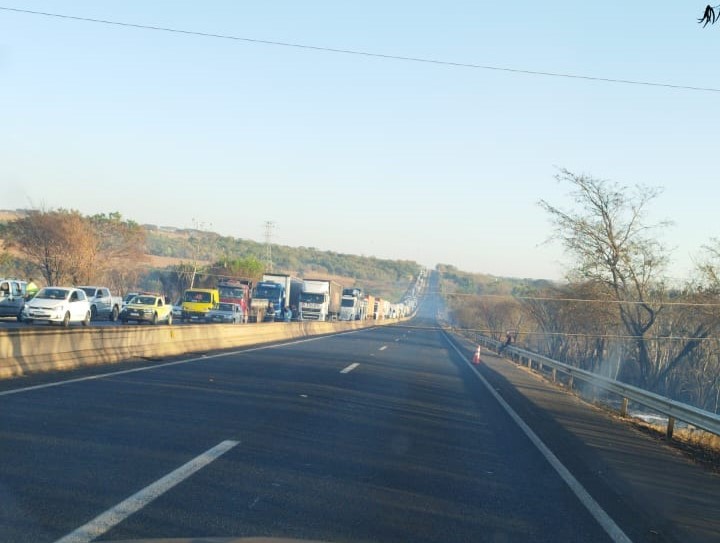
{"points": [[234, 301]]}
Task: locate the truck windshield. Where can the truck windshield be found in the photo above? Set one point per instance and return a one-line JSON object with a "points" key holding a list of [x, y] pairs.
{"points": [[231, 292], [348, 302], [199, 297], [267, 292], [312, 298], [89, 291]]}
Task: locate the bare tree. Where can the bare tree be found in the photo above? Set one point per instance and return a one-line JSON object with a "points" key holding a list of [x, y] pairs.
{"points": [[120, 250], [66, 246], [611, 244], [60, 243], [575, 324]]}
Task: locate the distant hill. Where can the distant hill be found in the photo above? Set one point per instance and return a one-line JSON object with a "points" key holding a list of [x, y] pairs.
{"points": [[168, 246], [455, 281]]}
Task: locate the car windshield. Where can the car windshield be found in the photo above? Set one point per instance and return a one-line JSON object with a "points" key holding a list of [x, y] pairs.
{"points": [[143, 300], [224, 307], [52, 294], [88, 291]]}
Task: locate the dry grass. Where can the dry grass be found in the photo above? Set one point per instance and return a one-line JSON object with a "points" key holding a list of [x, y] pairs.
{"points": [[699, 445]]}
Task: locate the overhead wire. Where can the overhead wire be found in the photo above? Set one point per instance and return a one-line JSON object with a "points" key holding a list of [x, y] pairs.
{"points": [[582, 300], [369, 54], [587, 335]]}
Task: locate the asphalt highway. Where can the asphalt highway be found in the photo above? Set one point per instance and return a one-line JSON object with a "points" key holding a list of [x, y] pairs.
{"points": [[383, 434]]}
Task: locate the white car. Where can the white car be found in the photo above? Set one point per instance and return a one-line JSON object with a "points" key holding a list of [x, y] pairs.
{"points": [[58, 304]]}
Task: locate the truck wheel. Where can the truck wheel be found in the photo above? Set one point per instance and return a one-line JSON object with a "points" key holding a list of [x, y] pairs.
{"points": [[154, 319], [93, 312], [169, 319], [114, 314]]}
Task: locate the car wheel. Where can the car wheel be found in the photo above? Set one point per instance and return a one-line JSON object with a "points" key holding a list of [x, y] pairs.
{"points": [[169, 319], [86, 320], [114, 314], [93, 312], [66, 319], [154, 318], [28, 321]]}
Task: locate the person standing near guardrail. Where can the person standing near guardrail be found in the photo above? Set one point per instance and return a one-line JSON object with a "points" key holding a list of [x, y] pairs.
{"points": [[508, 341], [288, 314]]}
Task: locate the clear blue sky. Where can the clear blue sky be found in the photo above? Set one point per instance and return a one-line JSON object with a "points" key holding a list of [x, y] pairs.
{"points": [[355, 154]]}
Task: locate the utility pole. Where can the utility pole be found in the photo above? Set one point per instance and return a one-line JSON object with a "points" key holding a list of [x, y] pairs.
{"points": [[198, 226], [269, 225]]}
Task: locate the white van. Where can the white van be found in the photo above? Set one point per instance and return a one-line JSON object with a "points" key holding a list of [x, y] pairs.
{"points": [[12, 298]]}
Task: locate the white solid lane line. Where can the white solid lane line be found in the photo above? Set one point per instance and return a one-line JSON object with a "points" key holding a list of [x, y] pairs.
{"points": [[114, 516], [382, 348], [598, 513], [350, 367], [165, 364]]}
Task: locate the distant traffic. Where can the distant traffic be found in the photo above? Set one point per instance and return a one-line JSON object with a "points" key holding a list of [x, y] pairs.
{"points": [[276, 298]]}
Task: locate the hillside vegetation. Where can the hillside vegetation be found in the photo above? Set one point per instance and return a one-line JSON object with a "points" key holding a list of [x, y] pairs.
{"points": [[158, 251]]}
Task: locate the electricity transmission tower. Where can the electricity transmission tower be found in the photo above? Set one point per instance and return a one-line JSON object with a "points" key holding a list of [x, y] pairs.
{"points": [[269, 226]]}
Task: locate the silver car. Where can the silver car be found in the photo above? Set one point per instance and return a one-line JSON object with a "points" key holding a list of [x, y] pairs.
{"points": [[225, 312]]}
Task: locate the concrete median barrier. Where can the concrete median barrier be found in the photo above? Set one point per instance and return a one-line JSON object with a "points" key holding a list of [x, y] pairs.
{"points": [[26, 351]]}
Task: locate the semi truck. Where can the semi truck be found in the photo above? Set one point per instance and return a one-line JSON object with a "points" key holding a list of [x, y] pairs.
{"points": [[267, 301], [236, 291], [319, 300], [286, 296], [351, 304]]}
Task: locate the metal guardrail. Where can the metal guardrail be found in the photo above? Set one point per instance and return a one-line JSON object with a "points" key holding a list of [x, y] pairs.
{"points": [[674, 410]]}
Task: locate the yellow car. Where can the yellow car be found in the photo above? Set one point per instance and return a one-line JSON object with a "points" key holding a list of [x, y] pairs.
{"points": [[147, 307]]}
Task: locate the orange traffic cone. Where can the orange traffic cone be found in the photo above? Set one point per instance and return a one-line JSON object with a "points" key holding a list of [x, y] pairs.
{"points": [[476, 356]]}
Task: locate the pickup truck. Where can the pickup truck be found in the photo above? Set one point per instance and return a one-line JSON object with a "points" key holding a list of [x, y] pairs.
{"points": [[102, 303]]}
